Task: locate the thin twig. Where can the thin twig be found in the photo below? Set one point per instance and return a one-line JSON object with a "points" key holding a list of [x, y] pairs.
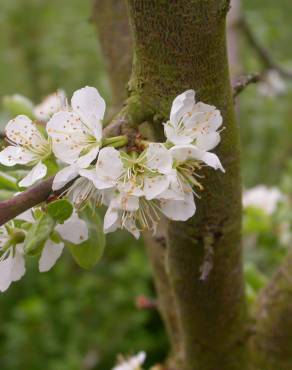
{"points": [[243, 81], [262, 52], [15, 206]]}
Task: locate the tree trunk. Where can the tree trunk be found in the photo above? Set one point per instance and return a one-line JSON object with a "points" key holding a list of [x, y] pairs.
{"points": [[178, 46]]}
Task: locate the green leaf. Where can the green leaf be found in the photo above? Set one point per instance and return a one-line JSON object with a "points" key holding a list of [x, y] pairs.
{"points": [[60, 210], [88, 253], [38, 235], [7, 182]]}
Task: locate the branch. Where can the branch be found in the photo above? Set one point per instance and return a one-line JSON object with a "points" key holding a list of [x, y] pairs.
{"points": [[263, 53], [271, 342], [39, 193], [243, 81], [15, 206]]}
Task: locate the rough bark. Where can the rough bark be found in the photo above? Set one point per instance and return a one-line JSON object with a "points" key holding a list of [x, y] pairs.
{"points": [[178, 46], [271, 343], [111, 21]]}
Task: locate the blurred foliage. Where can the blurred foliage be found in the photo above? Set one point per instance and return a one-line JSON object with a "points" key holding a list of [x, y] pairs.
{"points": [[72, 319], [266, 123]]}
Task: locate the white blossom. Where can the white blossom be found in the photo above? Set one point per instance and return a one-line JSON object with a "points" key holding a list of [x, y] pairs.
{"points": [[53, 103], [77, 132], [143, 175], [12, 264], [263, 198], [73, 230], [133, 363], [192, 122], [28, 147], [122, 213]]}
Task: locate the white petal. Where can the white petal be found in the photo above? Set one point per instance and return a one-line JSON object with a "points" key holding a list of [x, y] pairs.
{"points": [[80, 191], [74, 229], [85, 160], [89, 174], [130, 188], [111, 220], [12, 155], [159, 158], [38, 172], [50, 255], [176, 190], [51, 104], [182, 104], [11, 269], [153, 186], [132, 228], [5, 272], [18, 268], [107, 196], [208, 142], [109, 167], [22, 131], [125, 202], [212, 160], [90, 106], [206, 117], [174, 137], [185, 152], [68, 134], [179, 210], [64, 176]]}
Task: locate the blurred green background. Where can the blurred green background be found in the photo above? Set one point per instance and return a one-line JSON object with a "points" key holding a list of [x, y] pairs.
{"points": [[74, 319]]}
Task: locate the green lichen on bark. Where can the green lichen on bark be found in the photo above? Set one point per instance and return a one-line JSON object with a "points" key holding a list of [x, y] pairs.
{"points": [[180, 45]]}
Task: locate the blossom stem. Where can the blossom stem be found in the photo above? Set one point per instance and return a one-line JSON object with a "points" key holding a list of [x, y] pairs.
{"points": [[116, 141]]}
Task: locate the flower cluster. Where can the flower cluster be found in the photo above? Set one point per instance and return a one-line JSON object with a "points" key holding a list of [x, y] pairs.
{"points": [[137, 187]]}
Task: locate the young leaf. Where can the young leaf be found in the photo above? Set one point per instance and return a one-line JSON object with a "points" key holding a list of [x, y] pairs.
{"points": [[38, 234], [88, 253], [60, 210]]}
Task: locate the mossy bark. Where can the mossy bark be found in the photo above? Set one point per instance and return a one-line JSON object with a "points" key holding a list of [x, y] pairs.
{"points": [[180, 45], [271, 344]]}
